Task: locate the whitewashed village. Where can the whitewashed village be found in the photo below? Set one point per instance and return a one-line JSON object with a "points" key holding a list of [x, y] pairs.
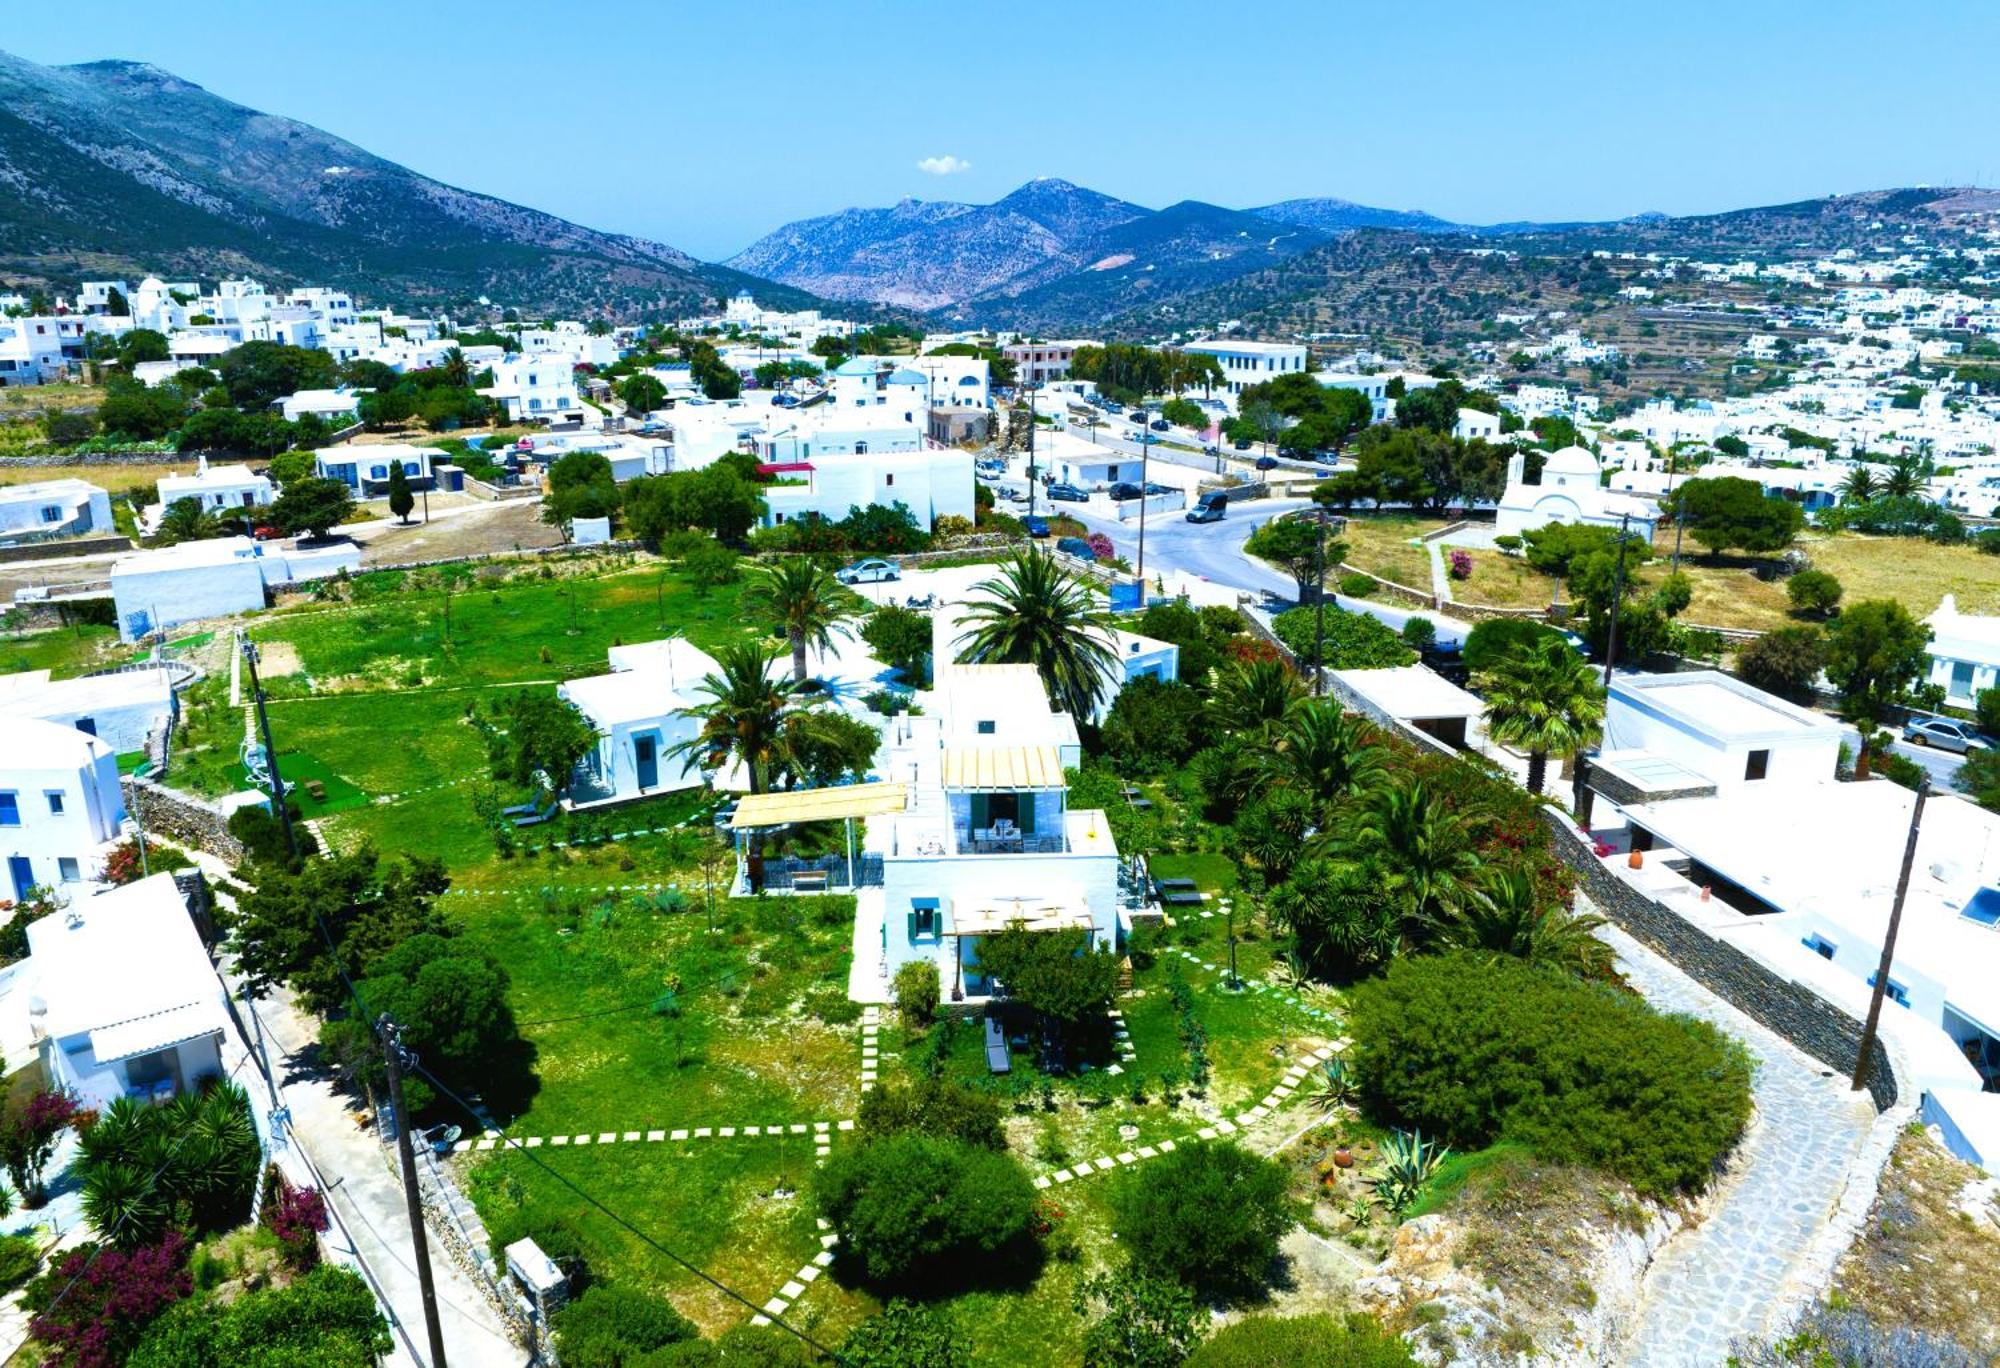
{"points": [[789, 824]]}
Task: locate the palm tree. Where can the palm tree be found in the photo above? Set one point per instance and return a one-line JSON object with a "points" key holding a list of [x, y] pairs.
{"points": [[1544, 698], [1859, 487], [1506, 918], [1906, 477], [1255, 697], [1322, 752], [1036, 613], [743, 716], [805, 602], [1417, 847], [456, 369], [184, 520]]}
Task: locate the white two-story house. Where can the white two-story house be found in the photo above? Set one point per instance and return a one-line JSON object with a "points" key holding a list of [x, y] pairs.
{"points": [[989, 839], [61, 807]]}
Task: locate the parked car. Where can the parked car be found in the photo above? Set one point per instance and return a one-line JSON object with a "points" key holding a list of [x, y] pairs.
{"points": [[868, 571], [1162, 425], [1037, 525], [1069, 493], [1124, 490], [1242, 444], [1137, 415], [1076, 546], [1152, 489], [263, 532], [1267, 463], [1946, 733]]}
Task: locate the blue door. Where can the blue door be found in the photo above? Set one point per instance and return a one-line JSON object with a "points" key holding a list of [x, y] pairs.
{"points": [[21, 871], [648, 761], [87, 725]]}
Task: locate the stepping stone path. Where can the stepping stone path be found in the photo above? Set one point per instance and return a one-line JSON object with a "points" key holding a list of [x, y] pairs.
{"points": [[822, 1133], [871, 1024], [1278, 1097], [1261, 987], [807, 1275], [1123, 1039]]}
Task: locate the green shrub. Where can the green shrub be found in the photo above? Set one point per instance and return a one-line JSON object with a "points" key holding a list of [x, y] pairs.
{"points": [[917, 989], [1354, 641], [917, 1213], [1471, 1051], [941, 1108], [1420, 634], [1497, 638], [609, 1327], [1209, 1215], [20, 1256], [1813, 591], [1357, 585], [1355, 1341], [1155, 725]]}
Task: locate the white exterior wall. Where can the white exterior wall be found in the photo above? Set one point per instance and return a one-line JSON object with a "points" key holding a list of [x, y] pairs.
{"points": [[78, 508], [150, 600], [1251, 363], [1796, 757], [932, 484], [93, 806], [976, 877]]}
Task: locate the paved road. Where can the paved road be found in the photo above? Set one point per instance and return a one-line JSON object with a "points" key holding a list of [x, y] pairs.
{"points": [[1942, 766], [1725, 1278]]}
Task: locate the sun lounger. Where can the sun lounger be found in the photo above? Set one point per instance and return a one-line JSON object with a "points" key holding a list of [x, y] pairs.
{"points": [[997, 1059], [537, 818], [1174, 885], [1181, 899]]}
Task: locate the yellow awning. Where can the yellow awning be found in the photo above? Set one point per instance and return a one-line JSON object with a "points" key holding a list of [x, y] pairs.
{"points": [[998, 768], [819, 805], [990, 916]]}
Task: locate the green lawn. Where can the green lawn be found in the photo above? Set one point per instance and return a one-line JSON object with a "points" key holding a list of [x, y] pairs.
{"points": [[66, 651]]}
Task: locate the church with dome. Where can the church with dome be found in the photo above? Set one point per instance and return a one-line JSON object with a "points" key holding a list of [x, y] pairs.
{"points": [[1571, 491]]}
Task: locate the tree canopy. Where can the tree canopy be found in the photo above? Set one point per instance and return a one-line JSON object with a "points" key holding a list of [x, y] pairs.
{"points": [[1732, 513]]}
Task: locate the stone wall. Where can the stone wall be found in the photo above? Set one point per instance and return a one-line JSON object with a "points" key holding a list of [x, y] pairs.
{"points": [[112, 458], [1792, 1010], [75, 546], [181, 818]]}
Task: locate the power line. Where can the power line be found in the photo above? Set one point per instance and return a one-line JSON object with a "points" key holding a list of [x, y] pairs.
{"points": [[517, 1147]]}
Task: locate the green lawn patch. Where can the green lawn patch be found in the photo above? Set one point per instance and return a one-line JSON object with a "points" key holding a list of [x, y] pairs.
{"points": [[299, 769], [131, 762], [1460, 1169], [1211, 871], [64, 651]]}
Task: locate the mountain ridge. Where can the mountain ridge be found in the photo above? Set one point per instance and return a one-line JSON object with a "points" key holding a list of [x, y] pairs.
{"points": [[124, 167]]}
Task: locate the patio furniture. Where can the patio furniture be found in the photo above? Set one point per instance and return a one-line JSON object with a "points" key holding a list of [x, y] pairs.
{"points": [[537, 818], [809, 881], [1174, 885], [997, 1059], [316, 789], [1142, 804], [1181, 899]]}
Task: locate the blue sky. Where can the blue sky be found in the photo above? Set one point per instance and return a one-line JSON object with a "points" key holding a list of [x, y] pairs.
{"points": [[708, 125]]}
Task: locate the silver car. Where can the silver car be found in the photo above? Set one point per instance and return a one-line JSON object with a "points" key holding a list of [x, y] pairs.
{"points": [[866, 572], [1945, 733]]}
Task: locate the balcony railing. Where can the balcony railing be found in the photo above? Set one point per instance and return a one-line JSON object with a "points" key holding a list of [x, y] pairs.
{"points": [[987, 841]]}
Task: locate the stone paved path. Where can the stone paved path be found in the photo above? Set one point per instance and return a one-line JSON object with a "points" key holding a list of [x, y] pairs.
{"points": [[1726, 1278]]}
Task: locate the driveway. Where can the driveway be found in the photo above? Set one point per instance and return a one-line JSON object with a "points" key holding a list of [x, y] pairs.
{"points": [[1736, 1274]]}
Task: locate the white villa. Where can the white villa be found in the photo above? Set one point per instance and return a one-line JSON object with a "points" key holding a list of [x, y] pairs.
{"points": [[155, 590], [61, 807], [1965, 652], [215, 488], [639, 712], [1571, 491], [120, 996], [988, 838], [123, 709], [53, 508]]}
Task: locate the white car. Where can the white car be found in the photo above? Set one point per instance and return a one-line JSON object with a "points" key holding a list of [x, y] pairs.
{"points": [[867, 572]]}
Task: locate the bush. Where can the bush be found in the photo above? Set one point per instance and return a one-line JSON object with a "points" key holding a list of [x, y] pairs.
{"points": [[1420, 634], [1470, 1051], [1813, 591], [20, 1257], [1490, 642], [93, 1304], [263, 835], [1354, 641], [1354, 1341], [1155, 725], [1209, 1215], [1357, 585], [1507, 541], [1784, 662], [1986, 710], [941, 1108], [917, 992], [1460, 565], [609, 1327], [903, 1335], [326, 1317], [922, 1214]]}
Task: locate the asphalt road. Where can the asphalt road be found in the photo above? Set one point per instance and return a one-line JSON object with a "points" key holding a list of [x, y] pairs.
{"points": [[1941, 765]]}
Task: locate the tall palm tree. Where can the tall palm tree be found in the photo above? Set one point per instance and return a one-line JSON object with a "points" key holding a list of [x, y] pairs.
{"points": [[1418, 848], [742, 717], [1322, 752], [1036, 613], [1506, 918], [805, 602], [457, 370], [1859, 486], [1255, 697], [1906, 477], [1544, 698]]}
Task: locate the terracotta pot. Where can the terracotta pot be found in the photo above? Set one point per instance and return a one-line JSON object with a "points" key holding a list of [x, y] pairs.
{"points": [[1636, 860], [1343, 1158]]}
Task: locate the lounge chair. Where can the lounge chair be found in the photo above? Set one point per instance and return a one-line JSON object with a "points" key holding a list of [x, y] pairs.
{"points": [[533, 818], [997, 1059], [1182, 900]]}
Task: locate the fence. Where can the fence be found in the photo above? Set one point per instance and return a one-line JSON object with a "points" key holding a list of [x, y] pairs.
{"points": [[825, 872]]}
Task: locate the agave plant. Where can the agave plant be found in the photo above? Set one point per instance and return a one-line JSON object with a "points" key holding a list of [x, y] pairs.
{"points": [[1408, 1162], [1336, 1084]]}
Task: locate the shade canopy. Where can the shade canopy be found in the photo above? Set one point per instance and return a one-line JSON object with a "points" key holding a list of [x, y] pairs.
{"points": [[819, 805], [988, 916], [1003, 768]]}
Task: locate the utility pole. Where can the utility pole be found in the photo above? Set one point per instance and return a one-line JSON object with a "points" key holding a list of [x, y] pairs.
{"points": [[1617, 601], [392, 1054], [1881, 988], [1145, 451], [278, 803], [1031, 442], [1673, 467], [1319, 606]]}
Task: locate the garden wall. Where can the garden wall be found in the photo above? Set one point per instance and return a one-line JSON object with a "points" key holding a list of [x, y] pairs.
{"points": [[1792, 1010], [112, 458], [181, 817], [51, 550]]}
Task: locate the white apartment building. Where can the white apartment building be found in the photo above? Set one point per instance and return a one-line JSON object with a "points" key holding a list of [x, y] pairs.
{"points": [[932, 484], [1251, 363], [216, 488]]}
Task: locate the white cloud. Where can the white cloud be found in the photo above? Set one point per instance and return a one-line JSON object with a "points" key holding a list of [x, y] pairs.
{"points": [[943, 166]]}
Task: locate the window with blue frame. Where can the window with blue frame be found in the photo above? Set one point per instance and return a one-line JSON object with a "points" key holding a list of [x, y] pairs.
{"points": [[1897, 992], [1819, 945], [924, 921], [55, 802], [10, 809]]}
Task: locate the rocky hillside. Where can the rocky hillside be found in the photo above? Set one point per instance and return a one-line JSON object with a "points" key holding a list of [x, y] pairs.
{"points": [[925, 254], [120, 168]]}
